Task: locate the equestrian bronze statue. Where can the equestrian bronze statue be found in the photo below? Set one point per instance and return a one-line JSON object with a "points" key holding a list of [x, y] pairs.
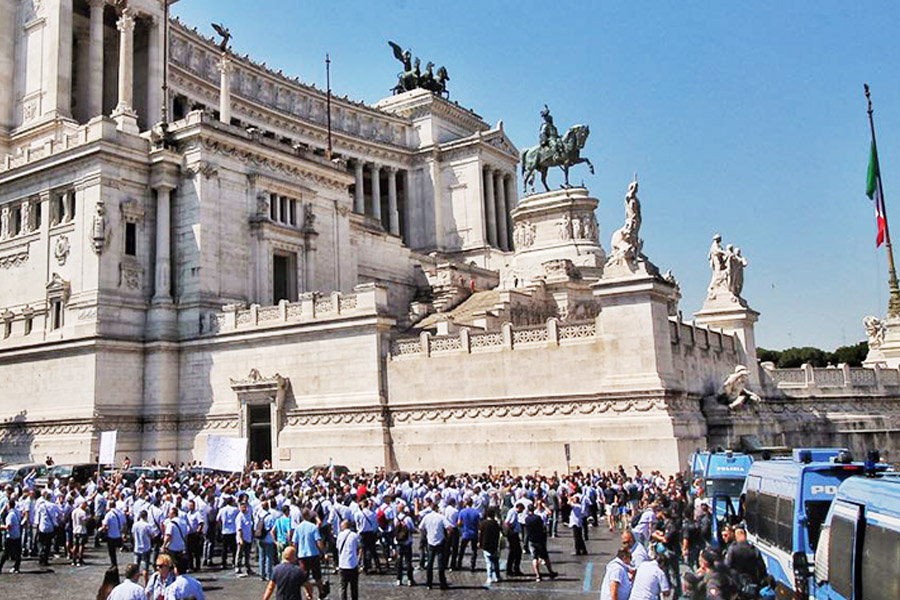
{"points": [[554, 151]]}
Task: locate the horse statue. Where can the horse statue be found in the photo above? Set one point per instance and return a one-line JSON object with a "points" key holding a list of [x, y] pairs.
{"points": [[406, 79], [541, 158]]}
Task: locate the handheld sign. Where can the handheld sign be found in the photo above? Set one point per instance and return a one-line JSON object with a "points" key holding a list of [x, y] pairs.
{"points": [[225, 453], [108, 447]]}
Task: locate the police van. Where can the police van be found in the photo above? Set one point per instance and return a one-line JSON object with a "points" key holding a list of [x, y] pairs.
{"points": [[858, 555], [723, 481], [785, 502]]}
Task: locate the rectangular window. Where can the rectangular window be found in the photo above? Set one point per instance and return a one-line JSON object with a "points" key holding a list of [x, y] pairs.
{"points": [[36, 208], [70, 198], [28, 324], [840, 556], [57, 210], [131, 239], [751, 508], [7, 329], [293, 212], [785, 524], [284, 209], [880, 564], [56, 314], [768, 517], [273, 207], [16, 225]]}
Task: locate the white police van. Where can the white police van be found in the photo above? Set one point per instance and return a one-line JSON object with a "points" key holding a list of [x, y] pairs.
{"points": [[858, 555]]}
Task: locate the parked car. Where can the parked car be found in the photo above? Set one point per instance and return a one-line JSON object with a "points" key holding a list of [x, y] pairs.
{"points": [[339, 470], [16, 473], [80, 473], [149, 473]]}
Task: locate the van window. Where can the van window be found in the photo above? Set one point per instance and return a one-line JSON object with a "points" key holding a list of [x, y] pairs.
{"points": [[840, 556], [881, 564], [816, 511], [785, 525], [751, 506], [768, 517]]}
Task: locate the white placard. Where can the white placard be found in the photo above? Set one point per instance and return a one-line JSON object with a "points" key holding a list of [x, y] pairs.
{"points": [[108, 447], [225, 453]]}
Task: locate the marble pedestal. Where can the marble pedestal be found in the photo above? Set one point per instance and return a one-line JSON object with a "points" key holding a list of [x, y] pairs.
{"points": [[557, 225], [731, 314], [887, 354]]}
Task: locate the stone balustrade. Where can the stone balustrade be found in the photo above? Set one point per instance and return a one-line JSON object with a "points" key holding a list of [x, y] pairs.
{"points": [[699, 336], [843, 379], [71, 137], [369, 300], [468, 341]]}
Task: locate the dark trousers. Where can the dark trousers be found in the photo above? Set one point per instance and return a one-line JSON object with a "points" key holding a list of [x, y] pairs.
{"points": [[514, 558], [438, 552], [580, 547], [453, 549], [12, 550], [209, 547], [672, 569], [462, 553], [369, 551], [194, 550], [229, 548], [45, 545], [423, 552], [243, 556], [350, 579], [112, 546], [404, 561]]}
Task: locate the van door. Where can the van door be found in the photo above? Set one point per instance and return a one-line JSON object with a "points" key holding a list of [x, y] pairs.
{"points": [[843, 573], [879, 563]]}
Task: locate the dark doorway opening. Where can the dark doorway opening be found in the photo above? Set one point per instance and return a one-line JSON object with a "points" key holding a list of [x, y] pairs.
{"points": [[283, 286], [260, 434]]}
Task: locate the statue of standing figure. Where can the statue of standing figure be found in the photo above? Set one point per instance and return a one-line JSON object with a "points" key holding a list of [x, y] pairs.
{"points": [[727, 267], [626, 244]]}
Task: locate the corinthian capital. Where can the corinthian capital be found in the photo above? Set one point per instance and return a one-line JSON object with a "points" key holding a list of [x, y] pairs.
{"points": [[125, 23]]}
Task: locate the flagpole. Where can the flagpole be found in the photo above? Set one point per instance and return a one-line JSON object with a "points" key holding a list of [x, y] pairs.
{"points": [[328, 102], [894, 301]]}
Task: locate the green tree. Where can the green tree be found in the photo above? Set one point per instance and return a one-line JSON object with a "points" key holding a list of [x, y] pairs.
{"points": [[764, 355], [795, 357], [852, 355]]}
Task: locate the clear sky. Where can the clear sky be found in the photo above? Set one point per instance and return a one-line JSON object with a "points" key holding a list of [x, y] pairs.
{"points": [[746, 119]]}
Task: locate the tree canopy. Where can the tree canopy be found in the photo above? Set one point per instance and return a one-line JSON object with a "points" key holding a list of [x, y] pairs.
{"points": [[791, 358]]}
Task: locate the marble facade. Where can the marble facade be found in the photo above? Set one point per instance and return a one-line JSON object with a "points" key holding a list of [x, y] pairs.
{"points": [[391, 304]]}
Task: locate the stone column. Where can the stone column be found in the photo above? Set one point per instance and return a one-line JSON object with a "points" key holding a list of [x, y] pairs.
{"points": [[163, 289], [225, 68], [95, 53], [56, 65], [376, 192], [407, 208], [393, 214], [510, 186], [359, 198], [502, 220], [491, 206], [155, 42], [126, 118]]}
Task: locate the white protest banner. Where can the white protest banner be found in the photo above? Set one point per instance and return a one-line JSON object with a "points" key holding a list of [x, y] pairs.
{"points": [[108, 447], [225, 453]]}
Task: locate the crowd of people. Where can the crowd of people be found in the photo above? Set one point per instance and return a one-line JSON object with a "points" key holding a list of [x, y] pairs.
{"points": [[295, 531]]}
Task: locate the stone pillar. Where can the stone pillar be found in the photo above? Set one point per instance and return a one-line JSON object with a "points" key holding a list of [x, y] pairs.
{"points": [[225, 68], [502, 213], [490, 203], [95, 53], [393, 215], [163, 280], [56, 65], [155, 41], [510, 186], [126, 118], [359, 198], [376, 192], [407, 208]]}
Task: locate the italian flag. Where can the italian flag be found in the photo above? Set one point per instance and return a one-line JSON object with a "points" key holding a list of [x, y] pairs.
{"points": [[873, 191]]}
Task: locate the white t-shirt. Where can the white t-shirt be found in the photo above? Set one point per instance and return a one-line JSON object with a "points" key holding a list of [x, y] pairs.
{"points": [[127, 590], [649, 582], [616, 570], [78, 518]]}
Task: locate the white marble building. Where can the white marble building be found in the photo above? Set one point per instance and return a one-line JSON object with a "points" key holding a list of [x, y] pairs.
{"points": [[390, 305]]}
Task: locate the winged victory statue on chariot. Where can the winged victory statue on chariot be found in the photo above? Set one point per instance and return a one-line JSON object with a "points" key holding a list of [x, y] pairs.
{"points": [[412, 77]]}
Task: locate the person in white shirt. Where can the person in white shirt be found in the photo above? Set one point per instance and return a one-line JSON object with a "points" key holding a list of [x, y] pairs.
{"points": [[142, 533], [129, 589], [184, 587], [617, 582], [348, 560], [79, 533], [650, 583]]}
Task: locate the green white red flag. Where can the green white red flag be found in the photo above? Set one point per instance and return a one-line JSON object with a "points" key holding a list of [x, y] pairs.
{"points": [[873, 191]]}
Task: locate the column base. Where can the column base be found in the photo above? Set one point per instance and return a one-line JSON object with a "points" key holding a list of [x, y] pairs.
{"points": [[162, 321], [126, 119]]}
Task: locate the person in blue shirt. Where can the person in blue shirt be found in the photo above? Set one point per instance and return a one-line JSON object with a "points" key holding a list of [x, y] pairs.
{"points": [[113, 522], [367, 528], [227, 520], [433, 528], [142, 533], [265, 520], [513, 528], [308, 542], [184, 587], [175, 536], [282, 530], [12, 528], [244, 538], [47, 517], [467, 523]]}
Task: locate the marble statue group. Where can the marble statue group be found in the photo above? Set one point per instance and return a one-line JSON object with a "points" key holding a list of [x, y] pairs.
{"points": [[727, 269]]}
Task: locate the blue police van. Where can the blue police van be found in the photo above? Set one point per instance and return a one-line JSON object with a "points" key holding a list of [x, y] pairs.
{"points": [[723, 481], [785, 502], [858, 554]]}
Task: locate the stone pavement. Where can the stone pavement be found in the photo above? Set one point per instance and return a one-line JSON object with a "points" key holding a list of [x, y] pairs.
{"points": [[580, 577]]}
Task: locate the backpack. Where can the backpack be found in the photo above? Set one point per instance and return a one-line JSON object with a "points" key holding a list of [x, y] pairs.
{"points": [[261, 532], [381, 518], [401, 533]]}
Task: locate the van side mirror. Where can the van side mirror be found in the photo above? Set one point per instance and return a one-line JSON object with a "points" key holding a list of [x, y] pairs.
{"points": [[801, 575]]}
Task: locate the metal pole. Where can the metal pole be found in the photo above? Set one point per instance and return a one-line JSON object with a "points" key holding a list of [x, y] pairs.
{"points": [[893, 285], [328, 102]]}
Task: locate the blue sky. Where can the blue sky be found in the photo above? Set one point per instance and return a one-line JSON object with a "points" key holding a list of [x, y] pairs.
{"points": [[746, 119]]}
